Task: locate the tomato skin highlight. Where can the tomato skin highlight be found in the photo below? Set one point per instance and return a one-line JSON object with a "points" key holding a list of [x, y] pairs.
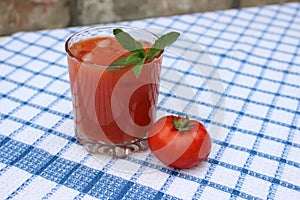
{"points": [[179, 149]]}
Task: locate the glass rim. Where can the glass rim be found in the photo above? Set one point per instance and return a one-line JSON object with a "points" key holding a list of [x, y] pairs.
{"points": [[71, 55]]}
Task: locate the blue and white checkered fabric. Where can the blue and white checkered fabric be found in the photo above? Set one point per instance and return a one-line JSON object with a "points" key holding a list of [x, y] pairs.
{"points": [[256, 153]]}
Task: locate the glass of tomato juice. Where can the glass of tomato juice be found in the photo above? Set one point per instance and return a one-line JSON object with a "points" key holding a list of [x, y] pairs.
{"points": [[113, 109]]}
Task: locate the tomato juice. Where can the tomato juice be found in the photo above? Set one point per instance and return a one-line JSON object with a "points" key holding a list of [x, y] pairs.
{"points": [[111, 106]]}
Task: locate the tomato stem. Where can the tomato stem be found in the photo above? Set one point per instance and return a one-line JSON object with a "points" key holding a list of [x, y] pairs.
{"points": [[182, 124]]}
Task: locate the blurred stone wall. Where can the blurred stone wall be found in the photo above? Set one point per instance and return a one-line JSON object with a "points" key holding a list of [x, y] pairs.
{"points": [[28, 15]]}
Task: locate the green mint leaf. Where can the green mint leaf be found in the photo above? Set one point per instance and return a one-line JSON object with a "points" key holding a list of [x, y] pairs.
{"points": [[161, 43], [137, 68], [132, 59], [128, 42], [138, 55]]}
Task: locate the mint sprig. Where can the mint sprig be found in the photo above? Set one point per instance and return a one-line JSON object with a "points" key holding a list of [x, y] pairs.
{"points": [[138, 56]]}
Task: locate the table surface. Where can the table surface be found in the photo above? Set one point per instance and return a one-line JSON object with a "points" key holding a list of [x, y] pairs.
{"points": [[253, 117]]}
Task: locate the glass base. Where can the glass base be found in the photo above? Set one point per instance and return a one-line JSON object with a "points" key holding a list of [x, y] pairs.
{"points": [[119, 150]]}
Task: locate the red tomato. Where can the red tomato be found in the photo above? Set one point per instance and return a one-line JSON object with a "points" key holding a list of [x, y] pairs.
{"points": [[179, 142]]}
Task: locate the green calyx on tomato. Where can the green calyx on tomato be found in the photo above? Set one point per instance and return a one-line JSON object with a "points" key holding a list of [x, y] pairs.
{"points": [[182, 124]]}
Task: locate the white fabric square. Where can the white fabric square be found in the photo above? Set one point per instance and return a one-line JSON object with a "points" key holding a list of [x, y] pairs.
{"points": [[226, 75], [293, 79], [205, 97], [251, 69], [261, 52], [273, 65], [289, 90], [183, 92], [63, 192], [291, 40], [30, 36], [242, 139], [47, 120], [23, 93], [276, 130], [4, 55], [28, 135], [264, 166], [53, 144], [282, 116], [195, 109], [18, 60], [257, 60], [200, 170], [273, 75], [257, 109], [36, 65], [39, 81], [65, 77], [26, 112], [55, 71], [250, 123], [175, 188], [267, 44], [66, 127], [123, 168], [8, 126], [74, 153], [88, 197], [287, 48], [225, 176], [210, 192], [45, 41], [37, 188], [20, 75], [7, 105], [217, 132], [268, 86], [289, 103], [63, 106], [176, 103], [289, 174], [283, 192], [255, 186], [16, 45], [245, 45], [224, 44], [230, 117], [178, 25], [50, 54], [153, 178], [231, 64], [274, 36], [61, 62], [33, 51], [294, 153], [5, 69], [246, 81], [98, 161], [239, 91], [271, 147], [262, 97], [234, 157], [58, 87], [12, 179], [282, 56], [43, 99]]}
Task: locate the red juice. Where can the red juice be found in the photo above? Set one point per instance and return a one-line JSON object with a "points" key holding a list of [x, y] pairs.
{"points": [[111, 106]]}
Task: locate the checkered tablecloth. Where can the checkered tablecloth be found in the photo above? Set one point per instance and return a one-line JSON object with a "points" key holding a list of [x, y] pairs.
{"points": [[256, 150]]}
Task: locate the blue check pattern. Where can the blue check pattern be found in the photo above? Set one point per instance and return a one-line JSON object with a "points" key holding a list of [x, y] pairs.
{"points": [[255, 155]]}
